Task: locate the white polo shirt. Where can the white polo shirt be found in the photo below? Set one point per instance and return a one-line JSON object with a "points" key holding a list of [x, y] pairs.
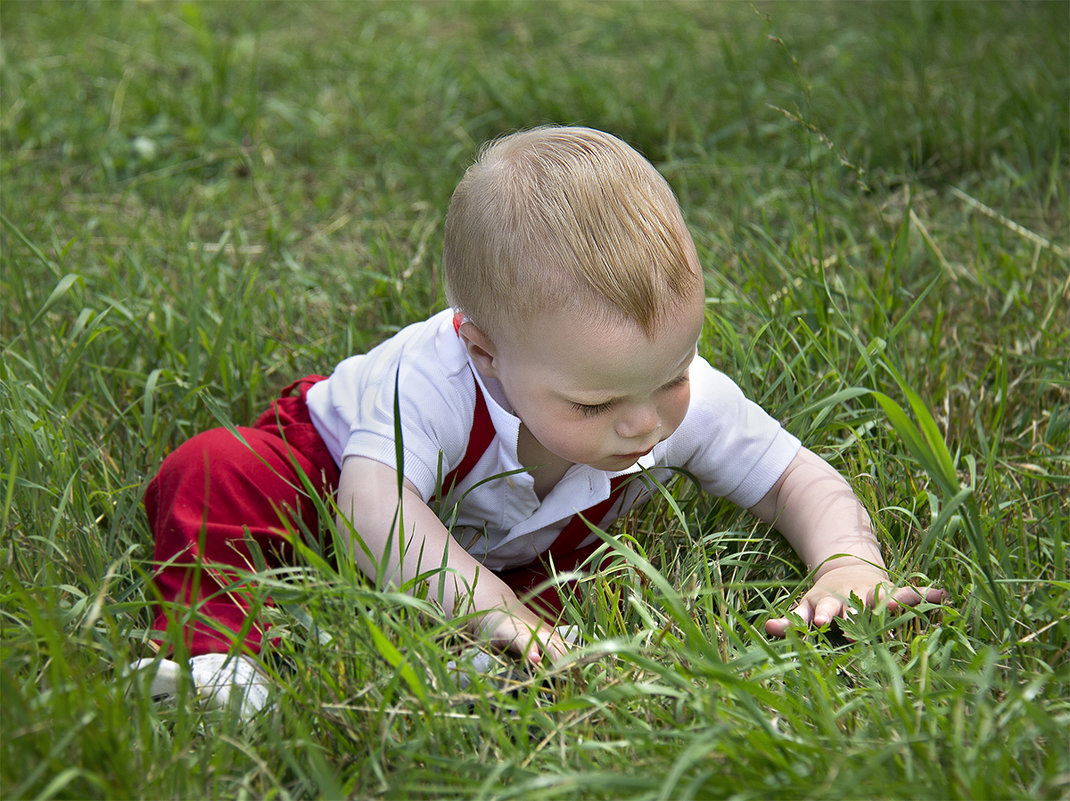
{"points": [[726, 441]]}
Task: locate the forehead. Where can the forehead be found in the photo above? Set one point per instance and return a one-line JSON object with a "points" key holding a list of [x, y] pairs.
{"points": [[577, 354]]}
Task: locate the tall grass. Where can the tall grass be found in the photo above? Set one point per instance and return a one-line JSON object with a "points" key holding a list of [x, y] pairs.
{"points": [[201, 201]]}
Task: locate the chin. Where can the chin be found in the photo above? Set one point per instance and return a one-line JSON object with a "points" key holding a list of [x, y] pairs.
{"points": [[615, 463]]}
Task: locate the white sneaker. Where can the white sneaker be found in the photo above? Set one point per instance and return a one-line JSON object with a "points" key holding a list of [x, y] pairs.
{"points": [[164, 683], [217, 678]]}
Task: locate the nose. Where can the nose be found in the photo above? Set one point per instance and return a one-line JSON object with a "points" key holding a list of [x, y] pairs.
{"points": [[638, 421]]}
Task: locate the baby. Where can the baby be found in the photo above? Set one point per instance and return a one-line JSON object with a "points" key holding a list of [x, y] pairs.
{"points": [[561, 383]]}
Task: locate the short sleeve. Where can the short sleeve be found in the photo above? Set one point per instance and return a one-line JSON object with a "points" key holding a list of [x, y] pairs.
{"points": [[422, 372]]}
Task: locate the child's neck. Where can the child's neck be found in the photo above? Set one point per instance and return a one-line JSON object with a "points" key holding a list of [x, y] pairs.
{"points": [[546, 468]]}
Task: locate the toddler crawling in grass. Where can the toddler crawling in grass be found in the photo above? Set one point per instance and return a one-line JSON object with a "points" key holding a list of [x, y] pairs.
{"points": [[562, 382]]}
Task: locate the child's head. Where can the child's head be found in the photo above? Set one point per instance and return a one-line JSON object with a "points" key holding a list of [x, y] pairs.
{"points": [[568, 254], [566, 217]]}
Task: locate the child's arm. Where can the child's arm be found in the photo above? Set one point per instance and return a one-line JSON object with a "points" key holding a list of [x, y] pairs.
{"points": [[820, 516], [368, 498]]}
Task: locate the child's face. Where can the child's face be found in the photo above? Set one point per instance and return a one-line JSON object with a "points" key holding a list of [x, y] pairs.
{"points": [[596, 393]]}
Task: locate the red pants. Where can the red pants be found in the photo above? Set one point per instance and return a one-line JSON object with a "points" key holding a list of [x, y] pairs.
{"points": [[216, 494]]}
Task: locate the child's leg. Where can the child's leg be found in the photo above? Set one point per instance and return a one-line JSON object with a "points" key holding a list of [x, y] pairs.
{"points": [[212, 494]]}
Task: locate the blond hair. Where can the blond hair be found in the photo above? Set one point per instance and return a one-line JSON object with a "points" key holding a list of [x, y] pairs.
{"points": [[557, 216]]}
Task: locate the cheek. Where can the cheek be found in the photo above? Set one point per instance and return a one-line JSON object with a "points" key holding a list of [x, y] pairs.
{"points": [[575, 431], [576, 440], [553, 424], [679, 401]]}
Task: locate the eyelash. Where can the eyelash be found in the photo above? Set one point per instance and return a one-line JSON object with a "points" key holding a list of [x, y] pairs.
{"points": [[601, 408], [592, 411]]}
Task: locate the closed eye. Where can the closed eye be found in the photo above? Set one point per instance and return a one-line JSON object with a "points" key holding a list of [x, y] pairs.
{"points": [[595, 409], [592, 410], [683, 379]]}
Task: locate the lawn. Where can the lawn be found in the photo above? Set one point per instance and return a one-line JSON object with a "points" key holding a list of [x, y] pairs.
{"points": [[202, 201]]}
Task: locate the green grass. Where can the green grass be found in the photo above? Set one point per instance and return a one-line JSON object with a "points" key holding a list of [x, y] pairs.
{"points": [[202, 201]]}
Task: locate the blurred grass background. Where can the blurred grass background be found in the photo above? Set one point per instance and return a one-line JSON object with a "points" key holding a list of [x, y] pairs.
{"points": [[204, 200]]}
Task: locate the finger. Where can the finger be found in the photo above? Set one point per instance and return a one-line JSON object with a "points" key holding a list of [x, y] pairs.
{"points": [[910, 596], [520, 640], [877, 597], [777, 627], [827, 609], [903, 596], [545, 645], [802, 612], [555, 648], [934, 595], [535, 649]]}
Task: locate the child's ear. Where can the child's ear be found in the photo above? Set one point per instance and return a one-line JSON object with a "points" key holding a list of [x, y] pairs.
{"points": [[480, 348]]}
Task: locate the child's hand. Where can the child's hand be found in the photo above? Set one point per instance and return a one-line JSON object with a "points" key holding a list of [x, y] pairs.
{"points": [[525, 634], [827, 599]]}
